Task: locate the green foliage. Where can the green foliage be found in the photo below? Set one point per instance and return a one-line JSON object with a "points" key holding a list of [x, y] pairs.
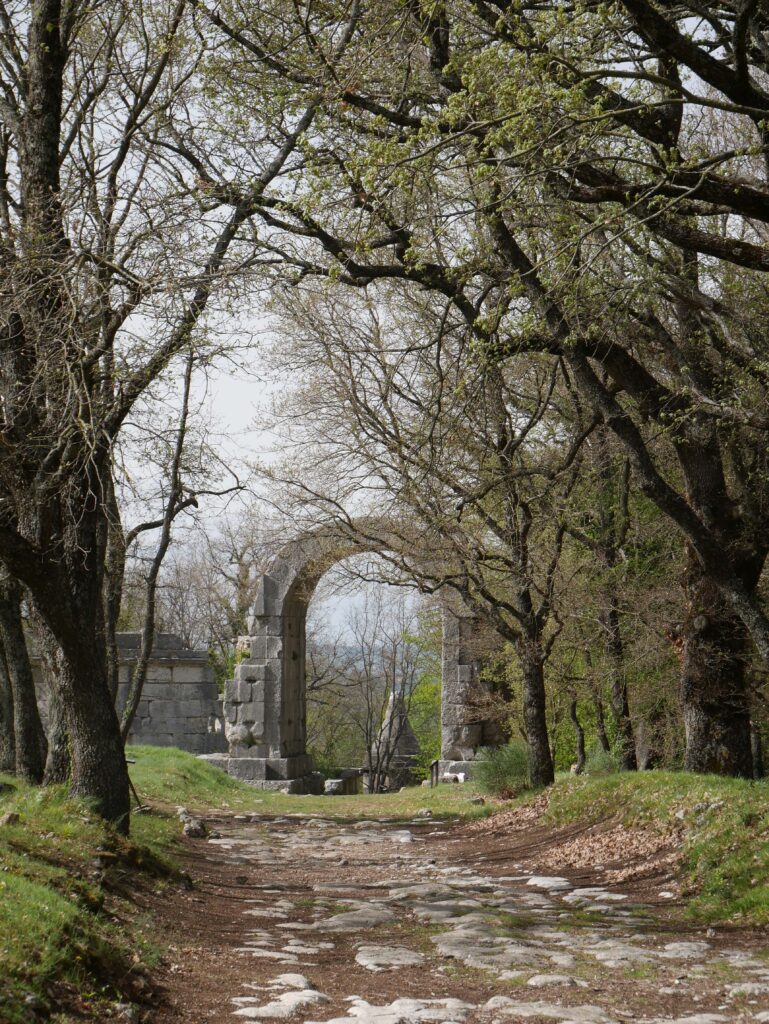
{"points": [[504, 771], [599, 761]]}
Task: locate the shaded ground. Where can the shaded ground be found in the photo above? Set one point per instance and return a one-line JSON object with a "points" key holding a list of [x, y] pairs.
{"points": [[304, 919]]}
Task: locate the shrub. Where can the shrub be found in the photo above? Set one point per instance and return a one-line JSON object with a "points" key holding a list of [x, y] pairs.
{"points": [[600, 761], [503, 771]]}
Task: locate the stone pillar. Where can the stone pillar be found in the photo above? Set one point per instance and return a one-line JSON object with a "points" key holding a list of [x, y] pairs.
{"points": [[463, 728], [264, 704]]}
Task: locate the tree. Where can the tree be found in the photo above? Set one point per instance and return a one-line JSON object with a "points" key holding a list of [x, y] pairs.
{"points": [[112, 251], [465, 467], [550, 177], [366, 679]]}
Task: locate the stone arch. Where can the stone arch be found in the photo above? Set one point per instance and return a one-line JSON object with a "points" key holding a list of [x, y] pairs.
{"points": [[264, 705]]}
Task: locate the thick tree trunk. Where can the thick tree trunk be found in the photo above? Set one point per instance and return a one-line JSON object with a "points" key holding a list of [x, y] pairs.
{"points": [[580, 767], [57, 763], [615, 657], [535, 717], [31, 746], [714, 689], [99, 770], [7, 735]]}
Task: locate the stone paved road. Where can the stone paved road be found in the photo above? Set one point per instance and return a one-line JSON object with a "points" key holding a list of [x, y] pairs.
{"points": [[375, 924]]}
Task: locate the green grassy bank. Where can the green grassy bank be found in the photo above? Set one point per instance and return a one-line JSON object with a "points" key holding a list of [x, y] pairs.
{"points": [[721, 826]]}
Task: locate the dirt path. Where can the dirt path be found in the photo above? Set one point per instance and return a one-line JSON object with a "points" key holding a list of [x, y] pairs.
{"points": [[307, 920]]}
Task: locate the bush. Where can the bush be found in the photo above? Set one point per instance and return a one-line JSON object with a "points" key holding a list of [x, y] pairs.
{"points": [[600, 761], [503, 771]]}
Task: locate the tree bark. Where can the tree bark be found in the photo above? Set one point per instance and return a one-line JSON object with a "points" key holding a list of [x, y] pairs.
{"points": [[99, 771], [7, 734], [57, 763], [714, 688], [31, 745], [620, 707], [535, 717], [757, 751], [580, 736]]}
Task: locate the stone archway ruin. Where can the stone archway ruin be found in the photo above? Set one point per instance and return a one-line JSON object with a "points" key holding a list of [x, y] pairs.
{"points": [[264, 705]]}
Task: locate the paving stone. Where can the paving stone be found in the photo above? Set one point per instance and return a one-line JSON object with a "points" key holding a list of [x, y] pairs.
{"points": [[382, 958], [685, 950], [280, 1008], [549, 883], [370, 916], [579, 1014], [403, 1011], [748, 988], [544, 980]]}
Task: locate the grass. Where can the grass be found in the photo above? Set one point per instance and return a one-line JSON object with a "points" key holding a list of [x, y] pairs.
{"points": [[63, 878], [172, 777], [722, 826]]}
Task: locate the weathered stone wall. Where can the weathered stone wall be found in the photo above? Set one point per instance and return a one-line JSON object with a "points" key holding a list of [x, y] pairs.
{"points": [[264, 705], [180, 705]]}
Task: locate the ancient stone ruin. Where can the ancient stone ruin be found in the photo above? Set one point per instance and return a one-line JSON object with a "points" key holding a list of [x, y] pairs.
{"points": [[180, 705], [264, 705]]}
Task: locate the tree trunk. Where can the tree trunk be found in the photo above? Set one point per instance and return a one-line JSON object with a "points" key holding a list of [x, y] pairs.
{"points": [[535, 718], [31, 745], [7, 735], [99, 770], [714, 689], [756, 751], [57, 764], [615, 656], [600, 724], [580, 736]]}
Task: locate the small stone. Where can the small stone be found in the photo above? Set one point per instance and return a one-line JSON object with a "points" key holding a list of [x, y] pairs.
{"points": [[424, 812], [125, 1013], [543, 980], [10, 818], [194, 828]]}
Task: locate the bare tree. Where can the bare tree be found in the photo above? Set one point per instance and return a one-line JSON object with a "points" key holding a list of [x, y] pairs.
{"points": [[367, 675], [112, 251]]}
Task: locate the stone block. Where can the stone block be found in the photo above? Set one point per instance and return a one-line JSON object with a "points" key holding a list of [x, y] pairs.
{"points": [[248, 769], [158, 690], [231, 713], [248, 672], [216, 760], [194, 691], [166, 710], [236, 691], [266, 603], [158, 673], [266, 648], [253, 712], [190, 673]]}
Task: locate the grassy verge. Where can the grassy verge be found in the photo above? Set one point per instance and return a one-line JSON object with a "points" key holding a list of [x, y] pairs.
{"points": [[69, 933], [721, 825]]}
